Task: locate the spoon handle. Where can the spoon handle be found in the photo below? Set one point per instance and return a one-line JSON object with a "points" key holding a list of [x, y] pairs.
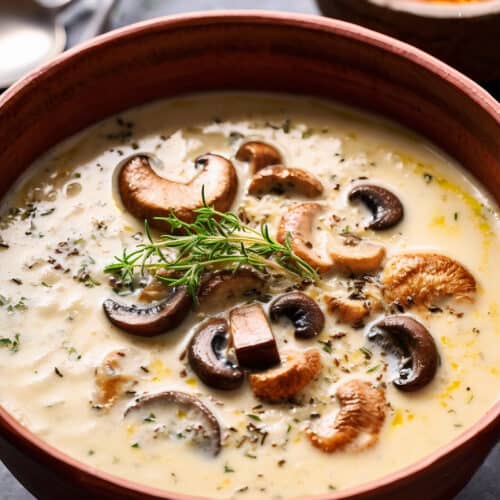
{"points": [[99, 19]]}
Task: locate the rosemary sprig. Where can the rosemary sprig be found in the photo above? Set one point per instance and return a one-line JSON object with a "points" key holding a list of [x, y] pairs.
{"points": [[214, 240]]}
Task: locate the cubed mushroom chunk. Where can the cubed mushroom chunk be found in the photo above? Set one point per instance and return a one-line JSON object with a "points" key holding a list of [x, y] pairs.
{"points": [[252, 337]]}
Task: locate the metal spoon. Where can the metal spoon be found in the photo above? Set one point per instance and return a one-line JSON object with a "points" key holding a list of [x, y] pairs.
{"points": [[31, 33]]}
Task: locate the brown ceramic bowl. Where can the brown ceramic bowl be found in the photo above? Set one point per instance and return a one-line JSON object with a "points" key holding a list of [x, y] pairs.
{"points": [[256, 51], [465, 35]]}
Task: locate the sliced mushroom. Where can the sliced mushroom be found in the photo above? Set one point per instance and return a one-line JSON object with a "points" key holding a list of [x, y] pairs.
{"points": [[305, 314], [278, 179], [147, 195], [363, 257], [150, 320], [354, 310], [206, 432], [297, 223], [111, 378], [259, 154], [356, 256], [412, 343], [207, 356], [348, 311], [359, 420], [386, 208], [252, 337], [422, 278], [287, 380], [220, 287]]}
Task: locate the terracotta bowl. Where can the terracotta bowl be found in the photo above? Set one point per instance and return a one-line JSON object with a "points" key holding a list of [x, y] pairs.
{"points": [[257, 51], [464, 35]]}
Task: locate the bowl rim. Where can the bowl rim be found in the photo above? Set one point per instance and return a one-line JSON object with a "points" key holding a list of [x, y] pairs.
{"points": [[17, 433], [441, 9]]}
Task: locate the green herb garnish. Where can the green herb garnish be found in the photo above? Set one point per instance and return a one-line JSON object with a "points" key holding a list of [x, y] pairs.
{"points": [[11, 344], [214, 240]]}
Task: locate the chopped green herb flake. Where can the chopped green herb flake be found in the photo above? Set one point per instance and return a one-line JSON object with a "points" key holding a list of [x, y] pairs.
{"points": [[326, 346], [228, 469], [366, 352], [11, 344], [427, 178], [373, 369], [135, 445], [254, 417]]}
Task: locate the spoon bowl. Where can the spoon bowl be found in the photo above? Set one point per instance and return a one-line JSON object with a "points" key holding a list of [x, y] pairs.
{"points": [[30, 35]]}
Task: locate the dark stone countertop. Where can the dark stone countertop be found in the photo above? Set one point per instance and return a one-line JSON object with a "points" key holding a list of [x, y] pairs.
{"points": [[485, 485]]}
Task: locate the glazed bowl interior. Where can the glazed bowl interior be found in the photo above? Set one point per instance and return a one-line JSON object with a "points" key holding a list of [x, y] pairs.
{"points": [[244, 51]]}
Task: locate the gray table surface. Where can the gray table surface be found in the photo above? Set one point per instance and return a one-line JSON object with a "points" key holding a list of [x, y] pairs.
{"points": [[485, 485]]}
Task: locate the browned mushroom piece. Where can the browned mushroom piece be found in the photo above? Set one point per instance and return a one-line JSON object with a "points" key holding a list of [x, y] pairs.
{"points": [[359, 258], [358, 422], [356, 257], [259, 154], [356, 307], [252, 338], [297, 224], [283, 382], [111, 378], [385, 206], [221, 287], [206, 432], [147, 195], [279, 179], [424, 277], [150, 320], [207, 354], [412, 343], [348, 311], [305, 314]]}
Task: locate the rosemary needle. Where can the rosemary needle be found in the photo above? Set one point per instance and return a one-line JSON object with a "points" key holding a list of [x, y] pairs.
{"points": [[214, 240]]}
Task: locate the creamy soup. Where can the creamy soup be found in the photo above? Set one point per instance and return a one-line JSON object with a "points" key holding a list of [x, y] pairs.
{"points": [[356, 408]]}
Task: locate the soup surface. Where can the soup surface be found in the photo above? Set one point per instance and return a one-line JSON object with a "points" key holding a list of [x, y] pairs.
{"points": [[64, 222]]}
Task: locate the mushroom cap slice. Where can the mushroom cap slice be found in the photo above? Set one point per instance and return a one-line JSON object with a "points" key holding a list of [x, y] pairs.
{"points": [[347, 310], [285, 381], [147, 195], [359, 420], [278, 178], [222, 286], [208, 421], [364, 257], [385, 206], [151, 320], [298, 224], [408, 339], [207, 359], [305, 314], [259, 154], [421, 278]]}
